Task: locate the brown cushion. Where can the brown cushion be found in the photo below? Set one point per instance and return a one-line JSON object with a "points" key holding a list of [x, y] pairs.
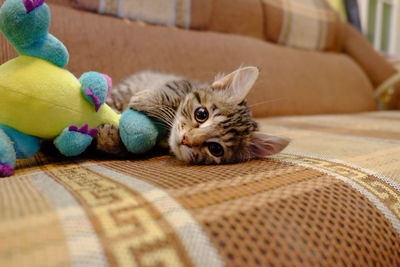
{"points": [[302, 24], [291, 82], [231, 16], [374, 65], [243, 17], [163, 12]]}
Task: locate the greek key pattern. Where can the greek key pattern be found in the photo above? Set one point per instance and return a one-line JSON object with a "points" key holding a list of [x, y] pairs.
{"points": [[385, 192], [131, 230]]}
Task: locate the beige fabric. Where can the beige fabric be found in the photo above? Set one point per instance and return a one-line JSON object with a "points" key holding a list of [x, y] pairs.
{"points": [[331, 83], [26, 214], [280, 20], [244, 17], [368, 140], [285, 85], [230, 16], [201, 14], [335, 188], [165, 12], [306, 24], [373, 64], [387, 93]]}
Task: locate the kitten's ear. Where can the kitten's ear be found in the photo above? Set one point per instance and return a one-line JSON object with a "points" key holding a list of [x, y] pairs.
{"points": [[265, 145], [237, 84]]}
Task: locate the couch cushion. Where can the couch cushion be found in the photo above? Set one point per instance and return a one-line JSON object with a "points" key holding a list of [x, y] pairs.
{"points": [[292, 81], [303, 24], [231, 16], [373, 64], [244, 17], [335, 188]]}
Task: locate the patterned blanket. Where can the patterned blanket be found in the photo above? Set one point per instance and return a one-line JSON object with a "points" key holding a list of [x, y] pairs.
{"points": [[305, 24], [164, 12], [332, 198]]}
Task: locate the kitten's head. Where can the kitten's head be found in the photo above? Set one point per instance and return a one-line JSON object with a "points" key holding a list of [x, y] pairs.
{"points": [[213, 123]]}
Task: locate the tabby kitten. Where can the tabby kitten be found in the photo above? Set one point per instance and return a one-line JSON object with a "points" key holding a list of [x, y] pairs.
{"points": [[208, 124]]}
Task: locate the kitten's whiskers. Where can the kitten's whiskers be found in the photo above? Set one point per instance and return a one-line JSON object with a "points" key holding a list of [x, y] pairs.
{"points": [[267, 101]]}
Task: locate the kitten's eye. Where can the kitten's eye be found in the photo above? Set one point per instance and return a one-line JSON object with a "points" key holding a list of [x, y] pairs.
{"points": [[215, 149], [201, 114]]}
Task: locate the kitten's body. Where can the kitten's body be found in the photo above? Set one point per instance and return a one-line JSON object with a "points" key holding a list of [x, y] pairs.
{"points": [[120, 95], [208, 123]]}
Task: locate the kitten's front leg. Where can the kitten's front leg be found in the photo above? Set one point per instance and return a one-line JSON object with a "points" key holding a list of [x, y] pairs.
{"points": [[119, 97], [143, 101], [109, 141]]}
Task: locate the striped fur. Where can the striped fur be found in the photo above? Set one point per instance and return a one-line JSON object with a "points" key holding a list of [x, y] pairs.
{"points": [[173, 100]]}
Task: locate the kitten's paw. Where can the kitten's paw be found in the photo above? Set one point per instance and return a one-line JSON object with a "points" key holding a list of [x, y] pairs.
{"points": [[140, 102], [135, 103], [109, 141], [74, 141], [6, 170]]}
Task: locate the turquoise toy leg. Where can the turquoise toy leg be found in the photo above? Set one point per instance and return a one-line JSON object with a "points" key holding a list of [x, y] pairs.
{"points": [[95, 87], [138, 132], [7, 155], [13, 145], [25, 23], [25, 146], [74, 141]]}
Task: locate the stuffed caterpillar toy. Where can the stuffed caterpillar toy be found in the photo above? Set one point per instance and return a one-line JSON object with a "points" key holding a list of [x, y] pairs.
{"points": [[41, 100]]}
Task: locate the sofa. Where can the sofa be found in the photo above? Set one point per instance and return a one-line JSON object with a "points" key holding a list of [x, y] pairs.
{"points": [[331, 198]]}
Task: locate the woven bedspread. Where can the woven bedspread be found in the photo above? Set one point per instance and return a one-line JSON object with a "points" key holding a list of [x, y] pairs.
{"points": [[332, 198]]}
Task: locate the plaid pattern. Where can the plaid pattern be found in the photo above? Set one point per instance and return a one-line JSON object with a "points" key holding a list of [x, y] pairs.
{"points": [[164, 12], [332, 198], [306, 24]]}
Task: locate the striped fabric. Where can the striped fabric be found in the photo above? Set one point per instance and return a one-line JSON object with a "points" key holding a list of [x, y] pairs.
{"points": [[332, 198], [306, 24], [164, 12]]}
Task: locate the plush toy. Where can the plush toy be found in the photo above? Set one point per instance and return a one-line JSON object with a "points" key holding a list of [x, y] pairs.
{"points": [[39, 99]]}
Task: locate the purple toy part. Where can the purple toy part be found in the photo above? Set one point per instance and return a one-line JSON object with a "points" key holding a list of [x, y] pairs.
{"points": [[93, 132], [109, 83], [31, 5], [84, 129], [95, 99], [73, 128], [6, 170]]}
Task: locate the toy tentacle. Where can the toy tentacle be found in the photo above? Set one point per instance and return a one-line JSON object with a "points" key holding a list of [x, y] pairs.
{"points": [[7, 155], [73, 141], [26, 146], [25, 23], [138, 132], [95, 87], [48, 48]]}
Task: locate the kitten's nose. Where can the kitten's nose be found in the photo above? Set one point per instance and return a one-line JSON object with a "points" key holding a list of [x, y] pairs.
{"points": [[185, 141]]}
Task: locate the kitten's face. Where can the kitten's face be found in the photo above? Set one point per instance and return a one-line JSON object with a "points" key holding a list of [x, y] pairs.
{"points": [[213, 125], [209, 130]]}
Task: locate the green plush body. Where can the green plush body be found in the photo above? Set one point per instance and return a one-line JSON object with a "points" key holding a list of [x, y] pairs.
{"points": [[40, 99], [45, 99]]}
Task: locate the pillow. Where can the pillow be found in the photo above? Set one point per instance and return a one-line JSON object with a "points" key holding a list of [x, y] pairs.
{"points": [[164, 12], [305, 24], [230, 16]]}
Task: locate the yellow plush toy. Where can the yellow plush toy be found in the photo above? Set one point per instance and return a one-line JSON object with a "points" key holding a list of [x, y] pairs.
{"points": [[37, 92], [40, 99]]}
